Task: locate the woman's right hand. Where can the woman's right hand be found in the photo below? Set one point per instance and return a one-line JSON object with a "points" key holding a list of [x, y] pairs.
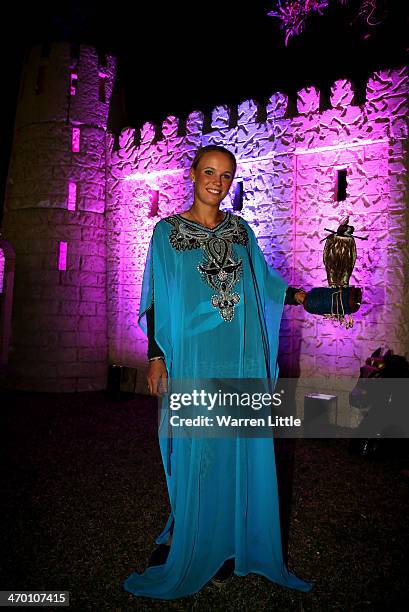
{"points": [[157, 377]]}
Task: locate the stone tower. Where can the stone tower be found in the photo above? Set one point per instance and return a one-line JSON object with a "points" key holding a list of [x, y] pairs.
{"points": [[55, 219]]}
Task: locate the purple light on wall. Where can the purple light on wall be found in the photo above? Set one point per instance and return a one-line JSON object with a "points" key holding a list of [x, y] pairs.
{"points": [[154, 202], [72, 195], [75, 140], [150, 177], [73, 83], [300, 176], [62, 255], [237, 202], [2, 266]]}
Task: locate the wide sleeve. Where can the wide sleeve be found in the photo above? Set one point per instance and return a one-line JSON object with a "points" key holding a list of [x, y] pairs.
{"points": [[272, 285], [155, 292], [271, 293], [153, 348]]}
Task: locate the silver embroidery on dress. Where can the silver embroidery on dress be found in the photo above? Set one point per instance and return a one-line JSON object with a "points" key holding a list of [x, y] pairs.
{"points": [[219, 268]]}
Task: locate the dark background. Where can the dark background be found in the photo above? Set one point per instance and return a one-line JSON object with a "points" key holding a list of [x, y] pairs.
{"points": [[175, 57]]}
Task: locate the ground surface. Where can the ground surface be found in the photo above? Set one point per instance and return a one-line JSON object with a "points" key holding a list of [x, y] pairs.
{"points": [[83, 497]]}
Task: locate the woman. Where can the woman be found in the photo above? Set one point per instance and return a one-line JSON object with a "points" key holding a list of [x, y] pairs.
{"points": [[212, 308]]}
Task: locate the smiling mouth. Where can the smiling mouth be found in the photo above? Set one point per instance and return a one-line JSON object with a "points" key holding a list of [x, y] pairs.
{"points": [[214, 191]]}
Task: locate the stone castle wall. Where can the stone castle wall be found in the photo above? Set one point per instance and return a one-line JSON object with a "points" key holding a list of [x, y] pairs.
{"points": [[288, 162], [54, 217], [80, 211]]}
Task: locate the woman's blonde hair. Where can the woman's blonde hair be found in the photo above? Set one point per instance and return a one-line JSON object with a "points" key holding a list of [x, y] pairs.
{"points": [[213, 148]]}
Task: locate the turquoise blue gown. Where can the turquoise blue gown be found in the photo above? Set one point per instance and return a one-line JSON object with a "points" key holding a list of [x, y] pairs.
{"points": [[218, 308]]}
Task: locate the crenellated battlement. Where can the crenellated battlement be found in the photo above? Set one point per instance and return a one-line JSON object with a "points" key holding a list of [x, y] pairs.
{"points": [[303, 164], [81, 205], [384, 90]]}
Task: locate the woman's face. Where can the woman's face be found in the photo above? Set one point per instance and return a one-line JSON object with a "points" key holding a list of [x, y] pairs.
{"points": [[212, 178]]}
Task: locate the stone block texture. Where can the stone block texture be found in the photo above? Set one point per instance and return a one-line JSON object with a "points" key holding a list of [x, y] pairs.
{"points": [[56, 196], [289, 163]]}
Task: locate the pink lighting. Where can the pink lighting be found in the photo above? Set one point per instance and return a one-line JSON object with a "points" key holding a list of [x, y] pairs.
{"points": [[72, 195], [154, 202], [75, 140], [151, 176], [73, 83], [290, 185], [2, 266], [62, 255], [340, 146]]}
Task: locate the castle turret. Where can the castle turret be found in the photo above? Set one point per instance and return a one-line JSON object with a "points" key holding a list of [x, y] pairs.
{"points": [[55, 219]]}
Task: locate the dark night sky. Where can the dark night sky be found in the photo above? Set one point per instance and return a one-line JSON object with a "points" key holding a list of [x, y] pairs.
{"points": [[175, 57]]}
